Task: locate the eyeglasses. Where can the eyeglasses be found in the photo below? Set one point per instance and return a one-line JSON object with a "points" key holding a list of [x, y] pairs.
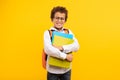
{"points": [[61, 18]]}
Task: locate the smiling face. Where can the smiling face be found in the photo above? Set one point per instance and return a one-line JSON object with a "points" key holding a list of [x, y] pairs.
{"points": [[58, 20]]}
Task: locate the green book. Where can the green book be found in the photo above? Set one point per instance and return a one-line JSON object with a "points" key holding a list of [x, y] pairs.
{"points": [[60, 39]]}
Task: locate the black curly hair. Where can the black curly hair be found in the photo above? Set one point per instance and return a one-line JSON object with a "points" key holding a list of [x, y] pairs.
{"points": [[59, 9]]}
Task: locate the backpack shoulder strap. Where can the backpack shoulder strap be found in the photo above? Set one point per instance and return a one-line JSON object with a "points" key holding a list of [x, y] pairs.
{"points": [[66, 31], [50, 33]]}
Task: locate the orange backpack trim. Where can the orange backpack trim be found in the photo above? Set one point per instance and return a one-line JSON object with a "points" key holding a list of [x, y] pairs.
{"points": [[44, 55]]}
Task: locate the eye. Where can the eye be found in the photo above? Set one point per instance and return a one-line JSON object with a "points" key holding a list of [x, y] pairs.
{"points": [[61, 18]]}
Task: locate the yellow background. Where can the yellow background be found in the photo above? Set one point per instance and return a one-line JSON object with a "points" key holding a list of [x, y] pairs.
{"points": [[95, 23]]}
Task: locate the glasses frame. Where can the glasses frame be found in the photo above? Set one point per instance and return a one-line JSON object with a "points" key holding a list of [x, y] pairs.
{"points": [[59, 18]]}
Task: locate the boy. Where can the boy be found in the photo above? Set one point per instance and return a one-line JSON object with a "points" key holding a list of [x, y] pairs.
{"points": [[59, 17]]}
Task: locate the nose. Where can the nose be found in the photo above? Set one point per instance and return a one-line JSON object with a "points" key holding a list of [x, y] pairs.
{"points": [[59, 20]]}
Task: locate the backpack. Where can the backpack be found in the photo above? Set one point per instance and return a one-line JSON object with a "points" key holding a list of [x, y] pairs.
{"points": [[44, 55]]}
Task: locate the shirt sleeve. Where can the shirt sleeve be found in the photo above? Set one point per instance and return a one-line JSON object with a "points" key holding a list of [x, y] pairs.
{"points": [[50, 50], [71, 47]]}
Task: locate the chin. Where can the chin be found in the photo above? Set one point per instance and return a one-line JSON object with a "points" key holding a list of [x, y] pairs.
{"points": [[59, 26]]}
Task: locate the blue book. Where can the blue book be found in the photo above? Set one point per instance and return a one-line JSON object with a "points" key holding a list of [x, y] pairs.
{"points": [[63, 35]]}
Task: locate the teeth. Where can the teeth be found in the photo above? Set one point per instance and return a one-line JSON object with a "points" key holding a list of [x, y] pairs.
{"points": [[59, 24]]}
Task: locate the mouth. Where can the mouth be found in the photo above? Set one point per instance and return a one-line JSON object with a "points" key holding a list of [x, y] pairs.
{"points": [[59, 24]]}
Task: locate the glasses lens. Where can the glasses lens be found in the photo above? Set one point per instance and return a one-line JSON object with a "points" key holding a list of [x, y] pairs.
{"points": [[61, 18]]}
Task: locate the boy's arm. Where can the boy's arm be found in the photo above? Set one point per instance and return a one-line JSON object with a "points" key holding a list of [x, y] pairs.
{"points": [[51, 50], [71, 47]]}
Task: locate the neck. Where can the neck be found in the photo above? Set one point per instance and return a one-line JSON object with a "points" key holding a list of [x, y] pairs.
{"points": [[59, 29]]}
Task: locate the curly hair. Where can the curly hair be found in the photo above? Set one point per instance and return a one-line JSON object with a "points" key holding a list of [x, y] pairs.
{"points": [[59, 9]]}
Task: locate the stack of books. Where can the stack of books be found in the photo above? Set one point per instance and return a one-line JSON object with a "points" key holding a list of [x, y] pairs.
{"points": [[60, 39]]}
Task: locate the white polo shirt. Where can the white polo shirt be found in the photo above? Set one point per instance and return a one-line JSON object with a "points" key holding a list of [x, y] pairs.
{"points": [[52, 51]]}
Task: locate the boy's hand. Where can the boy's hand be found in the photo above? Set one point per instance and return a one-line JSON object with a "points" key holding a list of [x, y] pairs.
{"points": [[69, 57], [59, 47]]}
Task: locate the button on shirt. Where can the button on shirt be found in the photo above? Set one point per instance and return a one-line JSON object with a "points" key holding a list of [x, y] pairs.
{"points": [[52, 51]]}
